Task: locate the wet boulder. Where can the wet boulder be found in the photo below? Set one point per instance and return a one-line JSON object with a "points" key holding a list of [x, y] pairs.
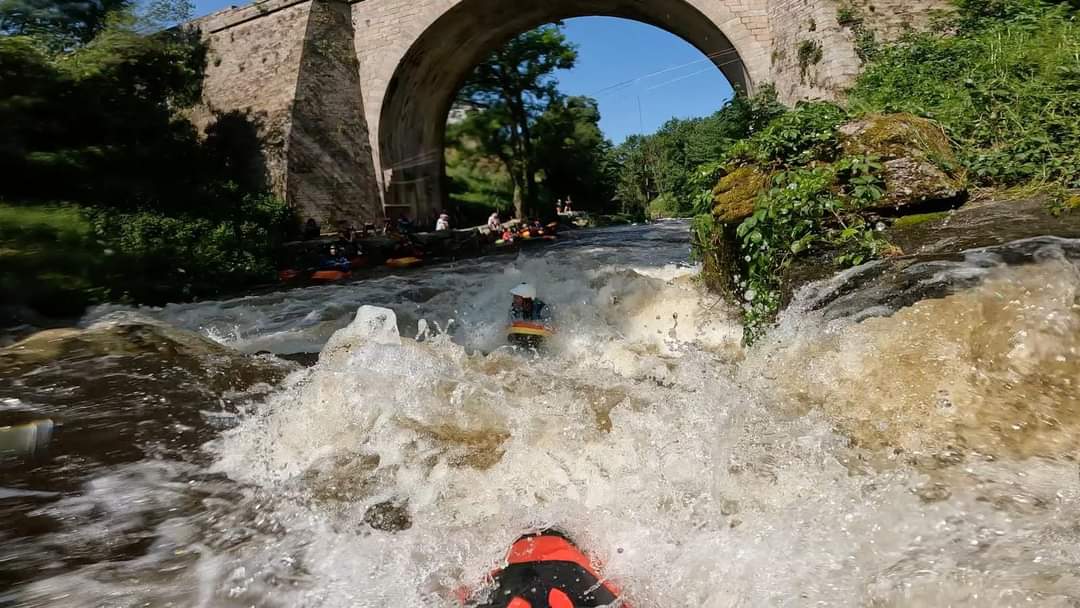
{"points": [[917, 158], [152, 343], [388, 516]]}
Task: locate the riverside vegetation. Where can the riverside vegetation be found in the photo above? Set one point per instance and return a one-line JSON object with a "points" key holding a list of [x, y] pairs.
{"points": [[109, 193], [989, 100], [118, 198]]}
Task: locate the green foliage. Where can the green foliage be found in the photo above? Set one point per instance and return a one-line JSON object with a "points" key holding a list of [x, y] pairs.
{"points": [[681, 159], [60, 258], [192, 255], [800, 212], [919, 218], [97, 125], [809, 53], [89, 115], [510, 91], [1006, 86], [573, 156], [804, 135], [664, 206], [478, 184], [866, 43], [58, 24], [848, 16], [862, 179], [1004, 83], [49, 259]]}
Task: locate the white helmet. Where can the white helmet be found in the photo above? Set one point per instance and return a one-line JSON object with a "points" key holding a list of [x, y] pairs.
{"points": [[524, 291]]}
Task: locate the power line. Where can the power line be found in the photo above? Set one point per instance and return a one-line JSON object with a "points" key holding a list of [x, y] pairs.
{"points": [[432, 156], [626, 83], [664, 84]]}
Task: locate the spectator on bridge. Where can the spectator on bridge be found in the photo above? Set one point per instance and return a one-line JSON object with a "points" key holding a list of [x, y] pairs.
{"points": [[443, 223]]}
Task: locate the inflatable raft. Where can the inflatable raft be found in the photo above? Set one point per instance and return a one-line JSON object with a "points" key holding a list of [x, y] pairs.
{"points": [[330, 276], [404, 262]]}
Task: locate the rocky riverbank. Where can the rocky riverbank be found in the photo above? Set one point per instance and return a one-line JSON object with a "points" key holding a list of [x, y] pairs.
{"points": [[888, 187]]}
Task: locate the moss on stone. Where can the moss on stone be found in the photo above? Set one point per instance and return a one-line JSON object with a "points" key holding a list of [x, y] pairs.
{"points": [[891, 136], [1073, 202], [919, 159], [919, 218], [736, 193]]}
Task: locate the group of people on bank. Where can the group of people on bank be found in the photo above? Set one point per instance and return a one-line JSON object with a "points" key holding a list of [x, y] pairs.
{"points": [[507, 234]]}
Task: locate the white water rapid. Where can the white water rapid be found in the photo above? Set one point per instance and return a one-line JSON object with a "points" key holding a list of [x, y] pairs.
{"points": [[924, 458]]}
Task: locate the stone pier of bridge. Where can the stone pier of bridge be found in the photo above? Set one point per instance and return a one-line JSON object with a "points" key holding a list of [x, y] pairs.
{"points": [[350, 97]]}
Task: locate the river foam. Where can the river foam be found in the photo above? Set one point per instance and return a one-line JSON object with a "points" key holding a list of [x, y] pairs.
{"points": [[813, 469]]}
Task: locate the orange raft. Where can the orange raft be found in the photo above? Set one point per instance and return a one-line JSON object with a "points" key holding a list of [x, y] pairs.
{"points": [[330, 276], [404, 262]]}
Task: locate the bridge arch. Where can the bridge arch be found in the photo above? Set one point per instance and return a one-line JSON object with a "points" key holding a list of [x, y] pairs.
{"points": [[410, 85]]}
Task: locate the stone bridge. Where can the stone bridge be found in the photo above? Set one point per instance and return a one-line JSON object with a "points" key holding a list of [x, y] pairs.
{"points": [[351, 96]]}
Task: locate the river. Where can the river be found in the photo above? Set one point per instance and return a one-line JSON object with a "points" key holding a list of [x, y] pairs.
{"points": [[916, 457]]}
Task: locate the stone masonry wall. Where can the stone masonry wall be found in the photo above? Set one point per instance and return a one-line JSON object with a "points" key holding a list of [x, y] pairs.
{"points": [[317, 76], [814, 55], [331, 173], [252, 67]]}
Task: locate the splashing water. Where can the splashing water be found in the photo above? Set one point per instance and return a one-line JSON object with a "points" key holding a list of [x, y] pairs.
{"points": [[924, 458]]}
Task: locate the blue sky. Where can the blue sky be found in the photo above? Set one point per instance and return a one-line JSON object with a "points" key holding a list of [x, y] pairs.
{"points": [[612, 52]]}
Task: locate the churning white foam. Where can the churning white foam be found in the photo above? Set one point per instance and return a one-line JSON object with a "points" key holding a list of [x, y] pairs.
{"points": [[397, 470]]}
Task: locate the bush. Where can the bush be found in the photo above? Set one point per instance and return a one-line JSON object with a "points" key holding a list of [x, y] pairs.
{"points": [[168, 257], [154, 212], [1007, 88], [796, 138], [804, 209], [665, 206], [49, 259]]}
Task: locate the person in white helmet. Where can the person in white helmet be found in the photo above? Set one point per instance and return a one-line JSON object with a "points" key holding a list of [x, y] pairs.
{"points": [[443, 223], [530, 318]]}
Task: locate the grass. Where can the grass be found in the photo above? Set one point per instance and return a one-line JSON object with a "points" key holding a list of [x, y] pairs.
{"points": [[48, 258]]}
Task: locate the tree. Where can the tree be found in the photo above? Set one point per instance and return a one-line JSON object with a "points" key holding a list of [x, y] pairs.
{"points": [[635, 183], [512, 89], [60, 24], [664, 167], [573, 154]]}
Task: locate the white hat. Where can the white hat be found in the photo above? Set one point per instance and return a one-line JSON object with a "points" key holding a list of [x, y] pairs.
{"points": [[524, 291]]}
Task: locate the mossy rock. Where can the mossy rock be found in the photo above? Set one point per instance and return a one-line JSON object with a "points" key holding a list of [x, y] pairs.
{"points": [[917, 156], [736, 193], [1073, 202], [892, 136], [921, 218]]}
